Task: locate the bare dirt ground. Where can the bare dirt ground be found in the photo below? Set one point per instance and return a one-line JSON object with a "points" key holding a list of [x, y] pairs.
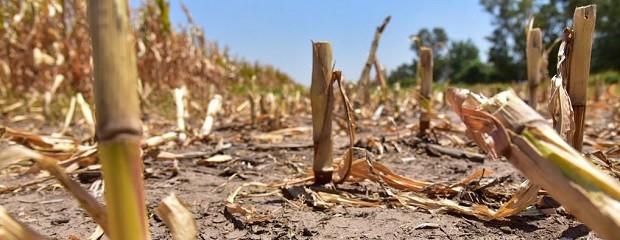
{"points": [[51, 210]]}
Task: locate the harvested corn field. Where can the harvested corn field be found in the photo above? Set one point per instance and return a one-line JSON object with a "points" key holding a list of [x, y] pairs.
{"points": [[185, 142]]}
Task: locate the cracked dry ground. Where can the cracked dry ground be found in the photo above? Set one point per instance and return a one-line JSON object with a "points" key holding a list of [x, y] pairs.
{"points": [[51, 210]]}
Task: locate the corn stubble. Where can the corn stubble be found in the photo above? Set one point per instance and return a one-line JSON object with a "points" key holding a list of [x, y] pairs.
{"points": [[505, 126], [322, 101]]}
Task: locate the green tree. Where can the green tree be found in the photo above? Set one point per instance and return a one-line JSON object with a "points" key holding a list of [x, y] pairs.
{"points": [[459, 61], [473, 71], [436, 39], [605, 48], [405, 74], [459, 53], [507, 53]]}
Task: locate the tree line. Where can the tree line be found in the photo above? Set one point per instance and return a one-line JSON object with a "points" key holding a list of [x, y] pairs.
{"points": [[459, 60]]}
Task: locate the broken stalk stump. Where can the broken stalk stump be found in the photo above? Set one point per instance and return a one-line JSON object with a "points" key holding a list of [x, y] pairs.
{"points": [[426, 70], [363, 90], [215, 105], [579, 67], [322, 102], [506, 126], [534, 54]]}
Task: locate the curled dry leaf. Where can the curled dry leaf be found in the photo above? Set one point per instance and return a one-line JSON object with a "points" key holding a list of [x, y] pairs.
{"points": [[344, 168], [177, 217], [481, 127], [560, 106], [561, 110]]}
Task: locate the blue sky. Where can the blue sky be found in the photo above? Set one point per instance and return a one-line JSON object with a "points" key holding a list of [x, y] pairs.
{"points": [[279, 32]]}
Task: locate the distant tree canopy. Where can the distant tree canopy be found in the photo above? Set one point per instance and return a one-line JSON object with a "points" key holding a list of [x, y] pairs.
{"points": [[459, 60], [507, 52], [455, 60]]}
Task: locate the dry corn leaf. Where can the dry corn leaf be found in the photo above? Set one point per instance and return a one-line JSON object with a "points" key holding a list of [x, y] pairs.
{"points": [[243, 215], [88, 202], [344, 166], [40, 142], [560, 106], [177, 217], [97, 234], [11, 228]]}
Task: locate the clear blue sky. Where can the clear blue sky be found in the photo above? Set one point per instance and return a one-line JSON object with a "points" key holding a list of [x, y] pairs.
{"points": [[278, 32]]}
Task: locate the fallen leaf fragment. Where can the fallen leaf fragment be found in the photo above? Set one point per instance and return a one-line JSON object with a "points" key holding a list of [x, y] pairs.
{"points": [[240, 215], [97, 234], [214, 160], [427, 226], [177, 217], [11, 228]]}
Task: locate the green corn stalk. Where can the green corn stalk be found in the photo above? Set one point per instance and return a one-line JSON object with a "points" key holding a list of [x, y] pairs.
{"points": [[118, 123], [164, 14]]}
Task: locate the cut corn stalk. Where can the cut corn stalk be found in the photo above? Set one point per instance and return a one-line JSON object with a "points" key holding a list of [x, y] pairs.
{"points": [[69, 116], [49, 94], [322, 102], [504, 125], [426, 73], [364, 82], [252, 109], [118, 118], [86, 112], [215, 105], [534, 55], [584, 20], [381, 75], [179, 101]]}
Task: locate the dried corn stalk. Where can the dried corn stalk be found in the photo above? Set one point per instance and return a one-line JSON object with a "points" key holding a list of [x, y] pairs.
{"points": [[179, 101], [584, 20], [364, 81], [322, 96], [505, 126], [426, 73], [215, 105], [534, 55]]}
